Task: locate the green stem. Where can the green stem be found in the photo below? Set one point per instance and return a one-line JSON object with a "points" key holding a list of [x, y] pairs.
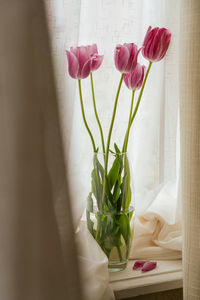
{"points": [[83, 114], [95, 111], [141, 92], [109, 135], [125, 145], [119, 252], [111, 124]]}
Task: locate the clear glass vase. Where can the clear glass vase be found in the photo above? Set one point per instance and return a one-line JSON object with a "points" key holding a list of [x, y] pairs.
{"points": [[110, 207]]}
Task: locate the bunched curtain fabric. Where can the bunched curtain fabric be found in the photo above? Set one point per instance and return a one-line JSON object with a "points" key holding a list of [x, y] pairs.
{"points": [[190, 144], [37, 248]]}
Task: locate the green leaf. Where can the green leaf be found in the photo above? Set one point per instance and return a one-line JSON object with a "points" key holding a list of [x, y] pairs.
{"points": [[125, 228], [125, 187], [97, 187], [90, 202], [100, 168], [114, 173], [90, 223], [116, 148], [117, 189]]}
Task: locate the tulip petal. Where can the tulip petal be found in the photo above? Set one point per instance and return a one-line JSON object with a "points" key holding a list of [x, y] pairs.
{"points": [[148, 266], [73, 65], [147, 36], [75, 51], [166, 45], [139, 84], [135, 76], [150, 42], [121, 57], [96, 61], [86, 69], [133, 53], [92, 49], [83, 57], [157, 45], [126, 80], [138, 264]]}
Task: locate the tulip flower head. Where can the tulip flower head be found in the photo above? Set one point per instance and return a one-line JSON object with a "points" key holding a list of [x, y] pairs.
{"points": [[83, 60], [134, 79], [126, 57], [156, 43]]}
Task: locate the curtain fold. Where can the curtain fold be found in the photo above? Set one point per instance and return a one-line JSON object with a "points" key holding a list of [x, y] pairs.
{"points": [[190, 144], [37, 248]]}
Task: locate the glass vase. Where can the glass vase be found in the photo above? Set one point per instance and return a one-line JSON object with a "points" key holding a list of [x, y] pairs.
{"points": [[110, 210]]}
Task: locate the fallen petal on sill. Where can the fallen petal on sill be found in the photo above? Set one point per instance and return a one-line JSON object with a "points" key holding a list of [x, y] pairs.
{"points": [[148, 266], [138, 264]]}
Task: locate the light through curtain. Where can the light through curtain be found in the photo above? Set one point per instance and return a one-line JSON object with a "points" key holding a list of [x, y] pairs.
{"points": [[154, 142]]}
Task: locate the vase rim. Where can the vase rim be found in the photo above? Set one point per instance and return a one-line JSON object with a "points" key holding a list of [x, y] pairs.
{"points": [[129, 210], [103, 153]]}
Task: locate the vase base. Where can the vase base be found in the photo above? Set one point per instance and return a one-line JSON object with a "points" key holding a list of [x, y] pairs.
{"points": [[116, 267]]}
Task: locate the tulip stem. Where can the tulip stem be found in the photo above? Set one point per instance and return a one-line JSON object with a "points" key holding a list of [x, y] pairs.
{"points": [[112, 123], [125, 144], [96, 114], [141, 92], [109, 135], [83, 114]]}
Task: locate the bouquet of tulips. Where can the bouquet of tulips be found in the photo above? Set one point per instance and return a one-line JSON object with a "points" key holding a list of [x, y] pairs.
{"points": [[111, 188]]}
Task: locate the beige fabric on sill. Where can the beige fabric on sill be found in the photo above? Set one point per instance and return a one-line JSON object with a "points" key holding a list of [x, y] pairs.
{"points": [[156, 234], [190, 144], [37, 254]]}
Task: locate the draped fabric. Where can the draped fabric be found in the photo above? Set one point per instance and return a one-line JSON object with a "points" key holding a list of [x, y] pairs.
{"points": [[190, 144], [37, 248]]}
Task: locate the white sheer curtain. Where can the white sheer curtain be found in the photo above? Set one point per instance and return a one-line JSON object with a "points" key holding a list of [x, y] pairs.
{"points": [[154, 142]]}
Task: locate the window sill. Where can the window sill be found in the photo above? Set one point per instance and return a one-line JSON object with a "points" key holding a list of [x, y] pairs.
{"points": [[129, 283]]}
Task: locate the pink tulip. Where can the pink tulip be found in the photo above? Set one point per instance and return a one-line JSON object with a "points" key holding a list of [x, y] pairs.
{"points": [[83, 60], [134, 79], [156, 43], [126, 57]]}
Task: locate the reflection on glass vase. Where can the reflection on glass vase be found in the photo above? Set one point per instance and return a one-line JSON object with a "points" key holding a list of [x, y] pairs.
{"points": [[109, 211]]}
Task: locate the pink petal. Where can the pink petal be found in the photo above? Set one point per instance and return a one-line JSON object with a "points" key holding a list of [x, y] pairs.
{"points": [[133, 53], [135, 76], [92, 49], [148, 266], [139, 84], [138, 264], [166, 45], [75, 51], [157, 45], [83, 58], [147, 36], [148, 42], [96, 62], [85, 70], [121, 57], [73, 65], [126, 80]]}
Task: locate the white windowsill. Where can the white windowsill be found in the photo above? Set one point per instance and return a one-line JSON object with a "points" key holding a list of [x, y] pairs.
{"points": [[130, 283]]}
